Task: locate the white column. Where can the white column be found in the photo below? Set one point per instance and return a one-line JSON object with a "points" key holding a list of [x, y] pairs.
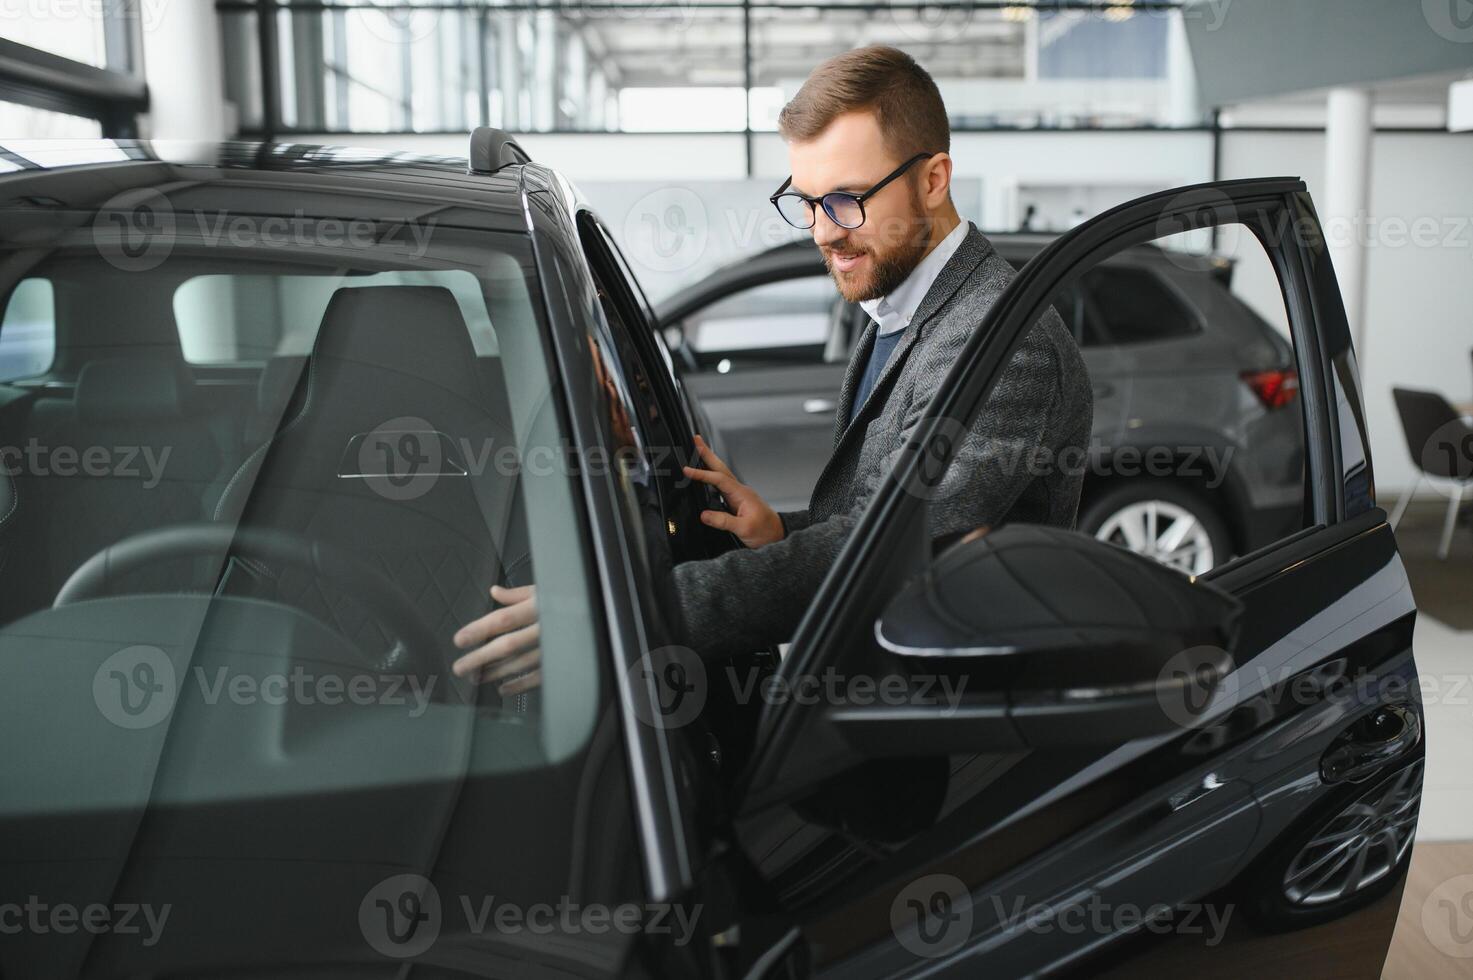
{"points": [[1182, 108], [185, 74], [544, 71], [1347, 198]]}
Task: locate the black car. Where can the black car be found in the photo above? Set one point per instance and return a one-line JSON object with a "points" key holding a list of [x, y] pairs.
{"points": [[1177, 361], [296, 408]]}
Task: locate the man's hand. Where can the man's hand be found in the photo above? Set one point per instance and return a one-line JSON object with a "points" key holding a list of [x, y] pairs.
{"points": [[754, 523], [504, 643]]}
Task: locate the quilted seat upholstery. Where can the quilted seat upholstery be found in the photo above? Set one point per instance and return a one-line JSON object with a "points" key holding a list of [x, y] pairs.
{"points": [[390, 363]]}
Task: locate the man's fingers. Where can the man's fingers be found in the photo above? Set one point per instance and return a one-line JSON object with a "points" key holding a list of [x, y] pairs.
{"points": [[505, 645], [711, 459], [724, 482], [503, 620], [719, 519], [506, 596], [519, 664], [518, 685]]}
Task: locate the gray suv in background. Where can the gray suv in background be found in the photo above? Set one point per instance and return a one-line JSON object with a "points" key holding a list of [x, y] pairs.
{"points": [[1198, 446]]}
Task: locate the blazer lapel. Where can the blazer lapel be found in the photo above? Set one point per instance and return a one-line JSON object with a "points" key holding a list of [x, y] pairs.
{"points": [[852, 374]]}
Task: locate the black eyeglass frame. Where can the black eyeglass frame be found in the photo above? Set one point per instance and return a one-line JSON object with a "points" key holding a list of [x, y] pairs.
{"points": [[822, 201]]}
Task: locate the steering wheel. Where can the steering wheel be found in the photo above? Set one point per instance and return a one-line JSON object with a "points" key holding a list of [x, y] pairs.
{"points": [[415, 646]]}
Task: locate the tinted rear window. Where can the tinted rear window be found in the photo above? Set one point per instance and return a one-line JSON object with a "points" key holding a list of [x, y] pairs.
{"points": [[1133, 306]]}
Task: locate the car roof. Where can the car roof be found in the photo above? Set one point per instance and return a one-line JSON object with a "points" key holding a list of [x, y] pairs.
{"points": [[800, 257], [259, 178]]}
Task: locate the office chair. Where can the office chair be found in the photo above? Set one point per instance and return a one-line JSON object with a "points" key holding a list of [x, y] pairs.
{"points": [[1441, 445]]}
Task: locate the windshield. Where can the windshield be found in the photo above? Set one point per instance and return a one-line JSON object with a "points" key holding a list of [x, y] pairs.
{"points": [[258, 471]]}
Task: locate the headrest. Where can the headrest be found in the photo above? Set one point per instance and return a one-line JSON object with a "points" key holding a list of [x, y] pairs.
{"points": [[278, 382], [416, 331], [129, 389]]}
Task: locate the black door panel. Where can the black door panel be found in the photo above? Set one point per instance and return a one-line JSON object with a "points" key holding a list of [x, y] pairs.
{"points": [[898, 866]]}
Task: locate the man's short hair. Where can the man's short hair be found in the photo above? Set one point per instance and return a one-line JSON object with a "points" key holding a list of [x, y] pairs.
{"points": [[879, 79]]}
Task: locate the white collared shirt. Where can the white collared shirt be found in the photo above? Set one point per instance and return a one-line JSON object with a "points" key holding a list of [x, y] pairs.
{"points": [[892, 312]]}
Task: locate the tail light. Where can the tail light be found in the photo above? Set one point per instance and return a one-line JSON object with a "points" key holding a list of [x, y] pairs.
{"points": [[1275, 388]]}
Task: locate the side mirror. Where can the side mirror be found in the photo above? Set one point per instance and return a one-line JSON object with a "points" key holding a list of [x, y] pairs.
{"points": [[1048, 637]]}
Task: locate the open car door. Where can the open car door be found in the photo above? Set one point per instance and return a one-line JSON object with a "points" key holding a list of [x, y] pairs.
{"points": [[1082, 757]]}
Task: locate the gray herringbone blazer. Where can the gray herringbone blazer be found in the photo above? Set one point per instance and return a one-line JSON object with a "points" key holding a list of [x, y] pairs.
{"points": [[748, 599]]}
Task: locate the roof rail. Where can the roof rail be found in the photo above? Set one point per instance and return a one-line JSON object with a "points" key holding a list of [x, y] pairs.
{"points": [[492, 149]]}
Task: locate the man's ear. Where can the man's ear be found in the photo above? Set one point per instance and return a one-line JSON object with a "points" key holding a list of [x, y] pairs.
{"points": [[936, 180]]}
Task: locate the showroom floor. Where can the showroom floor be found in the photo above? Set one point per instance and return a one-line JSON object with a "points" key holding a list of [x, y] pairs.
{"points": [[1444, 652]]}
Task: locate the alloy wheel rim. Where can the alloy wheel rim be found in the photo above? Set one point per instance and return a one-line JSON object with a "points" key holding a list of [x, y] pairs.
{"points": [[1163, 531], [1358, 846]]}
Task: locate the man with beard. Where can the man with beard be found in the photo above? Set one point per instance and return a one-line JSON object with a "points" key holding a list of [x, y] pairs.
{"points": [[868, 145]]}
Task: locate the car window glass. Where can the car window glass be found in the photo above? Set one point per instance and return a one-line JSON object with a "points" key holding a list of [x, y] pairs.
{"points": [[273, 316], [28, 330], [1083, 322], [653, 433], [399, 441], [787, 314], [357, 499], [1131, 305], [1197, 450]]}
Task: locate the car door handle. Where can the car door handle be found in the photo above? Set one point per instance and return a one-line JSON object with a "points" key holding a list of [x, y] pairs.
{"points": [[1371, 745], [819, 406]]}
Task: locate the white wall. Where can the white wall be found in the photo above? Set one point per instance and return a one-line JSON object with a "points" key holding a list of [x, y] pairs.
{"points": [[1419, 285], [182, 64]]}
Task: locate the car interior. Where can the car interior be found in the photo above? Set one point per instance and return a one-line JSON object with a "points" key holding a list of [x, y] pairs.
{"points": [[129, 439], [252, 466]]}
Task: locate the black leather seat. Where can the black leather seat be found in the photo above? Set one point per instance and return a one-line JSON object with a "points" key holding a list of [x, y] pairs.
{"points": [[390, 455]]}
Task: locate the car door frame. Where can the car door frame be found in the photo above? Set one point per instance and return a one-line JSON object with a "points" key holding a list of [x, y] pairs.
{"points": [[890, 544], [878, 539], [550, 205]]}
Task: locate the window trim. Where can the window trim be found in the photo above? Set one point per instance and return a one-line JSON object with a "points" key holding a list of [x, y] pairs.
{"points": [[604, 264]]}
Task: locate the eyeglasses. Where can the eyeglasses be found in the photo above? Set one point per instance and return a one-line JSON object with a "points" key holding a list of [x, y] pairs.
{"points": [[844, 209]]}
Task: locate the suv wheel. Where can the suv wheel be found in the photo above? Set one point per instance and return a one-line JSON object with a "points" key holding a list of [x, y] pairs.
{"points": [[1354, 852], [1162, 521]]}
